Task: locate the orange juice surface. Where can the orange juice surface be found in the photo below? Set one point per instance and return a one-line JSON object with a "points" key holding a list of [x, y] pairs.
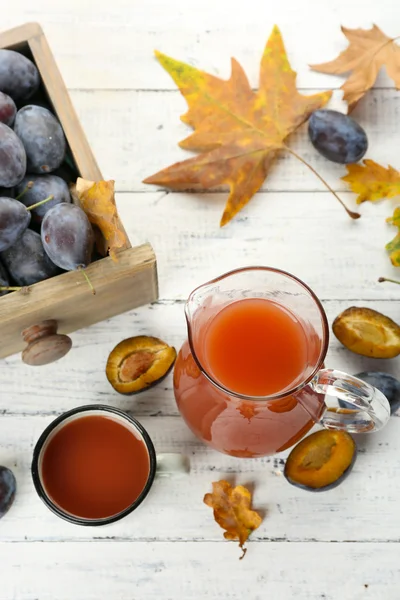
{"points": [[255, 347]]}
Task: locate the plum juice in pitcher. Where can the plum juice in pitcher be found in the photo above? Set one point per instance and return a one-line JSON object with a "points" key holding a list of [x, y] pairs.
{"points": [[249, 381]]}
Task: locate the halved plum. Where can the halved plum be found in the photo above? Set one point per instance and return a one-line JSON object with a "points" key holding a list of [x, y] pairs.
{"points": [[367, 332], [321, 461], [139, 362]]}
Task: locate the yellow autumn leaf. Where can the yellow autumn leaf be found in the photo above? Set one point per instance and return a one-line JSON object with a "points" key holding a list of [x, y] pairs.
{"points": [[238, 132], [393, 247], [372, 182], [232, 511], [98, 201]]}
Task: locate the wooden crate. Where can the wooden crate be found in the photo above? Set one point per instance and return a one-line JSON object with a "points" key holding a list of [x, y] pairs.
{"points": [[120, 286]]}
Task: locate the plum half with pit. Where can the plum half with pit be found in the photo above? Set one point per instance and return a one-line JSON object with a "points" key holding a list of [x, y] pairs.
{"points": [[138, 363], [321, 461]]}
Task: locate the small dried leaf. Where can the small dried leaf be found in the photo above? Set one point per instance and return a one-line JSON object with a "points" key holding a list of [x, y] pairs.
{"points": [[368, 51], [372, 182], [98, 201], [232, 511]]}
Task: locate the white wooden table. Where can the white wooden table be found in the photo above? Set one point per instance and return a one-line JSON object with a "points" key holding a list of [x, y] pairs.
{"points": [[340, 544]]}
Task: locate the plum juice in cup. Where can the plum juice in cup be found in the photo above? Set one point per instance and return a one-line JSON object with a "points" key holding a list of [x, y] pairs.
{"points": [[95, 464]]}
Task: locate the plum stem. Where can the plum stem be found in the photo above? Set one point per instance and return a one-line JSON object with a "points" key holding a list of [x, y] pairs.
{"points": [[12, 288], [28, 187], [51, 197], [382, 279], [351, 213], [86, 276]]}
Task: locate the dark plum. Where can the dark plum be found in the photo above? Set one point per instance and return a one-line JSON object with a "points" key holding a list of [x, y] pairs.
{"points": [[8, 488], [14, 219], [337, 137], [19, 78], [43, 186], [321, 461], [12, 158], [8, 110], [385, 383], [42, 137], [4, 280], [27, 262], [67, 236]]}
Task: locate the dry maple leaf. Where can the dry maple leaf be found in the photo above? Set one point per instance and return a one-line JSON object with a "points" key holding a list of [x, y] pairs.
{"points": [[393, 247], [368, 51], [237, 131], [98, 201], [232, 511], [372, 182]]}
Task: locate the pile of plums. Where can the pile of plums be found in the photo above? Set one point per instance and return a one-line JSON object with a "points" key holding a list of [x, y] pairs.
{"points": [[41, 231]]}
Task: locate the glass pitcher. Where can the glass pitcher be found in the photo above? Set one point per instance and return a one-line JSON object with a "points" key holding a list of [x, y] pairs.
{"points": [[251, 426]]}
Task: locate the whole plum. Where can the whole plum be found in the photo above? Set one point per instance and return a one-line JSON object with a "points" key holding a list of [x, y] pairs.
{"points": [[8, 487], [27, 262], [385, 383], [68, 237], [14, 219], [8, 110], [19, 78], [42, 137], [42, 186], [336, 136], [12, 158]]}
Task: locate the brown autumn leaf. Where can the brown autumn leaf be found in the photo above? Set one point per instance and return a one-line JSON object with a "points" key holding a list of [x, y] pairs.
{"points": [[238, 132], [98, 201], [372, 182], [368, 51], [232, 511]]}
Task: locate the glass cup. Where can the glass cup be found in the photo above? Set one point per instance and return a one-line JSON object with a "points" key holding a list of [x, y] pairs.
{"points": [[251, 426], [163, 465]]}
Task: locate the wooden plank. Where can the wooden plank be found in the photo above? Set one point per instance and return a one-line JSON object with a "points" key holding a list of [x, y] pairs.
{"points": [[113, 48], [120, 285], [307, 234], [134, 134], [85, 380], [174, 509], [196, 571]]}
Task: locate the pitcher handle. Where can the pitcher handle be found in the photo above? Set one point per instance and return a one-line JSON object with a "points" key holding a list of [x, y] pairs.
{"points": [[366, 408]]}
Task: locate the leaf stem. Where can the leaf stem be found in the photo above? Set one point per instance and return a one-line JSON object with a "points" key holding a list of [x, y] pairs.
{"points": [[351, 213], [382, 279], [82, 270], [51, 197], [28, 187]]}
